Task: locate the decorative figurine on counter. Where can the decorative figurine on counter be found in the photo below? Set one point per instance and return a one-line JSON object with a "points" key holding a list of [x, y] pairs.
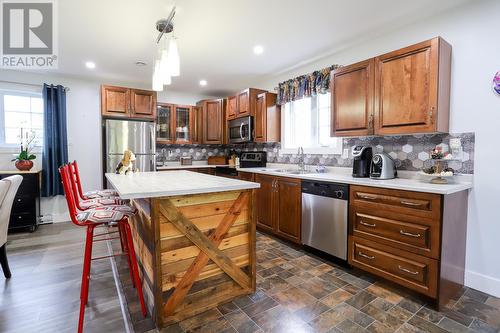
{"points": [[437, 171], [126, 165]]}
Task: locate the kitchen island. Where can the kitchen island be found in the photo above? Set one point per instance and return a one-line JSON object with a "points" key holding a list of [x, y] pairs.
{"points": [[194, 236]]}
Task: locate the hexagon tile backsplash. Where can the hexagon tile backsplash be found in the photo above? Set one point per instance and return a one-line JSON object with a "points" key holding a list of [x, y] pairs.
{"points": [[410, 152]]}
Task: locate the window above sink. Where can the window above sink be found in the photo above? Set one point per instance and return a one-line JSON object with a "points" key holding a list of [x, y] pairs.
{"points": [[306, 123]]}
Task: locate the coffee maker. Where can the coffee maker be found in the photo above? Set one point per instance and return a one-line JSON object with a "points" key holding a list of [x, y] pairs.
{"points": [[362, 159], [383, 167]]}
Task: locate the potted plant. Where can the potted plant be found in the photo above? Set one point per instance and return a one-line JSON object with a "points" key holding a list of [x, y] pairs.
{"points": [[24, 160]]}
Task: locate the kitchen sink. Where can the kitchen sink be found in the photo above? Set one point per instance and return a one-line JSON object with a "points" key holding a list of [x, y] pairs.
{"points": [[293, 171]]}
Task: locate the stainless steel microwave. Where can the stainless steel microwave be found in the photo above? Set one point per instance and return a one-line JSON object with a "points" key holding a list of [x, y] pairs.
{"points": [[241, 130]]}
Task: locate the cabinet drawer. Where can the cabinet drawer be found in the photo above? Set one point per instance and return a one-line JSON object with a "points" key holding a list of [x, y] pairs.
{"points": [[406, 202], [24, 204], [29, 185], [22, 220], [407, 269], [417, 235]]}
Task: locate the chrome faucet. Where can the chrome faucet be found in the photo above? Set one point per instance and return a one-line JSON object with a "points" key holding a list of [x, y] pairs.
{"points": [[302, 165]]}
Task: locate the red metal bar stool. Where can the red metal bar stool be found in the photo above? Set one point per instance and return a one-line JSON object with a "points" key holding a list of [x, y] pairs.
{"points": [[97, 194], [92, 218], [87, 204]]}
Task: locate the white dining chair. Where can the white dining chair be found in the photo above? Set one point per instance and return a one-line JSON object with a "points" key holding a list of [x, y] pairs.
{"points": [[8, 190]]}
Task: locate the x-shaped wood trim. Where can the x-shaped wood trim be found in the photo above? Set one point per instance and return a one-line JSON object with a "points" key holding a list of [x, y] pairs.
{"points": [[209, 249]]}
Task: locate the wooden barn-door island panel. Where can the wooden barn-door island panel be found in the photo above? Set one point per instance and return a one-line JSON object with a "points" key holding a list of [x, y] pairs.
{"points": [[195, 250]]}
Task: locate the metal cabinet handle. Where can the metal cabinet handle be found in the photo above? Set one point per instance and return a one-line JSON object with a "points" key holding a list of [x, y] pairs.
{"points": [[241, 132], [365, 255], [410, 203], [370, 122], [404, 233], [401, 268], [367, 224], [367, 197]]}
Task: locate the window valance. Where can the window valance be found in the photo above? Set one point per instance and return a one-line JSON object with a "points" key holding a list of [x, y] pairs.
{"points": [[317, 82]]}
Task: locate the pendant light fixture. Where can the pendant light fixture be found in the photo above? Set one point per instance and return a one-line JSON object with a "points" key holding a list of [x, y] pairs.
{"points": [[157, 80], [173, 57], [167, 62], [165, 71]]}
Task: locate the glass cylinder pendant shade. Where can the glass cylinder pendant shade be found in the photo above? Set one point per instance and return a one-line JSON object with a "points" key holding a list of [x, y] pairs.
{"points": [[157, 79], [173, 57], [165, 71]]}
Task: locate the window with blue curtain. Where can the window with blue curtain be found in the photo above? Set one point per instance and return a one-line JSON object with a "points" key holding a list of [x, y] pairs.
{"points": [[55, 138]]}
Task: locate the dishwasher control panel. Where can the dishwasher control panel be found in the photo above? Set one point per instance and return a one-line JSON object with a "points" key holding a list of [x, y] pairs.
{"points": [[331, 190]]}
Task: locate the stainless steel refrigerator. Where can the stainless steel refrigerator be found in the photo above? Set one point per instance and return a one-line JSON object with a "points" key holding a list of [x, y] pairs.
{"points": [[137, 136]]}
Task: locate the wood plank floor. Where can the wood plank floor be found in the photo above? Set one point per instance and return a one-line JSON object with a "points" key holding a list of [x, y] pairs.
{"points": [[43, 294]]}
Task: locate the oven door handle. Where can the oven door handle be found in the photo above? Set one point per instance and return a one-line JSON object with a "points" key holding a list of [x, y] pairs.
{"points": [[241, 131]]}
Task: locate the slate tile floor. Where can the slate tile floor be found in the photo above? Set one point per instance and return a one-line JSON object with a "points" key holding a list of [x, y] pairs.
{"points": [[298, 292]]}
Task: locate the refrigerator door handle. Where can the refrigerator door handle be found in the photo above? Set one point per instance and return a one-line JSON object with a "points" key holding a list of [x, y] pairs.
{"points": [[152, 161], [151, 138]]}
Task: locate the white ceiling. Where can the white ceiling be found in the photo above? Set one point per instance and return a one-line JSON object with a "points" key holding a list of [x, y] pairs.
{"points": [[216, 37]]}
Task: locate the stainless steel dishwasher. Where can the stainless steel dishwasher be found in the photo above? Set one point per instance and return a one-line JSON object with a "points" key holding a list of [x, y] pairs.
{"points": [[324, 217]]}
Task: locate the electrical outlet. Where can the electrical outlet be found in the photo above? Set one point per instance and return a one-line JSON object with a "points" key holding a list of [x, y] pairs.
{"points": [[456, 148], [455, 143], [345, 154]]}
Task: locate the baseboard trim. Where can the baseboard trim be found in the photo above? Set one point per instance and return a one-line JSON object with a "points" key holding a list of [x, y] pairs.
{"points": [[58, 218], [484, 283]]}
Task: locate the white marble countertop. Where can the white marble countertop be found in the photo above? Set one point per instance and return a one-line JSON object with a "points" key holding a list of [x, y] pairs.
{"points": [[406, 181], [176, 182]]}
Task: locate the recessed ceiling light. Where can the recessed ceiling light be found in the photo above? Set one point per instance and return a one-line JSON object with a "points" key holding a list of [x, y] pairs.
{"points": [[90, 65], [258, 49], [140, 63], [203, 82]]}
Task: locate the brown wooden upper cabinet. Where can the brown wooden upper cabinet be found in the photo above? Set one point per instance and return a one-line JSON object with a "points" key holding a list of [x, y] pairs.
{"points": [[407, 91], [213, 120], [164, 123], [267, 119], [142, 103], [243, 103], [278, 208], [174, 123], [232, 105], [128, 102], [115, 101], [197, 124], [352, 99]]}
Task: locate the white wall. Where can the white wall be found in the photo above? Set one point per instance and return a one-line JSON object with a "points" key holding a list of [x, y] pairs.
{"points": [[472, 30], [84, 126]]}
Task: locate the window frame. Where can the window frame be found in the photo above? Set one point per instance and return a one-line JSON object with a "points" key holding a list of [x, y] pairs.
{"points": [[13, 147], [317, 150]]}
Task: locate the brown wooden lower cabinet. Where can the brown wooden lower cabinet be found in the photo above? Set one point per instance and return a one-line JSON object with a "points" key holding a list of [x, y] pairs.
{"points": [[413, 239], [410, 270], [278, 203], [248, 176], [265, 194]]}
